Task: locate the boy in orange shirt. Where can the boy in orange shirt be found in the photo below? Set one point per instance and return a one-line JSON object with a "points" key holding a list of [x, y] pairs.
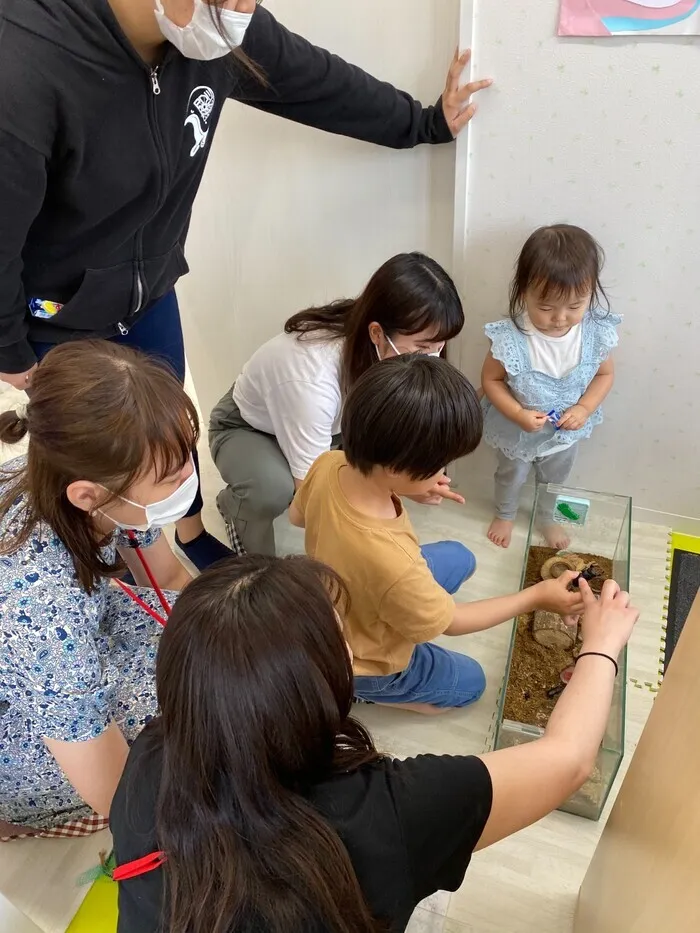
{"points": [[402, 421]]}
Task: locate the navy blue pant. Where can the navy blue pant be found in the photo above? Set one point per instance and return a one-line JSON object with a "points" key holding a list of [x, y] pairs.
{"points": [[159, 334]]}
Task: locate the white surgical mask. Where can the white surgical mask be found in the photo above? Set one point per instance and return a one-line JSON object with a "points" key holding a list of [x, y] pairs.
{"points": [[200, 39], [165, 512], [398, 352]]}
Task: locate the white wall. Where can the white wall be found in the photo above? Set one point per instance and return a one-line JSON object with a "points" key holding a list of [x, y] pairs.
{"points": [[289, 216], [605, 134]]}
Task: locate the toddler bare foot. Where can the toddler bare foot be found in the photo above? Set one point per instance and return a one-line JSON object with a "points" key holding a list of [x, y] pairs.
{"points": [[500, 532], [556, 537]]}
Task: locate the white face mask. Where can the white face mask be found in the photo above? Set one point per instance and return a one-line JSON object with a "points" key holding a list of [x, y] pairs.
{"points": [[398, 352], [200, 39], [165, 512]]}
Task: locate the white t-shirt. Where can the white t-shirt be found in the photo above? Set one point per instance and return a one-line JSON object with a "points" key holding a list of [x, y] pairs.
{"points": [[291, 388], [554, 356]]}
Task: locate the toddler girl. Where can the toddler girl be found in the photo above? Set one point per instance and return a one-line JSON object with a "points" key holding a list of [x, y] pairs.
{"points": [[548, 370]]}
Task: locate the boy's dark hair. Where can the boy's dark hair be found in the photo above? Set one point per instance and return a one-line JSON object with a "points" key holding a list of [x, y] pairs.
{"points": [[412, 414], [557, 261]]}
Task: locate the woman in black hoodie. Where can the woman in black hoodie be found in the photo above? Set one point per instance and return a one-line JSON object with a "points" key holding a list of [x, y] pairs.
{"points": [[107, 113]]}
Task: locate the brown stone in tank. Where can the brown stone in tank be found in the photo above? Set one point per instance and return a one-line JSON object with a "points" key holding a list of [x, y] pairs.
{"points": [[555, 566], [550, 630], [535, 669]]}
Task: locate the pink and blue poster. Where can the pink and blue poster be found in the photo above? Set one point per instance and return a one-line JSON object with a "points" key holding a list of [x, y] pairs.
{"points": [[629, 18]]}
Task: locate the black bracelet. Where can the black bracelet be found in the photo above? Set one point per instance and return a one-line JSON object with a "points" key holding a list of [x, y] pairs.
{"points": [[599, 654]]}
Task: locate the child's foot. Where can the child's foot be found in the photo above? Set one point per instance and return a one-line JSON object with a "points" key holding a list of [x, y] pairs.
{"points": [[500, 532], [556, 537]]}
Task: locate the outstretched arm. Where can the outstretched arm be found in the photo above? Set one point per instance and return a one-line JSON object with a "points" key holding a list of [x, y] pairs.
{"points": [[531, 780], [551, 595], [309, 85]]}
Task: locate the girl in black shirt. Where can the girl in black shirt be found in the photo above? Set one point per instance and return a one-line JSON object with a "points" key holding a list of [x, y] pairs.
{"points": [[256, 804]]}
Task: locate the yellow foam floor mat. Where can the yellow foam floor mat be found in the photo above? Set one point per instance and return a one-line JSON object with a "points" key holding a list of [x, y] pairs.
{"points": [[681, 542], [682, 581], [98, 912]]}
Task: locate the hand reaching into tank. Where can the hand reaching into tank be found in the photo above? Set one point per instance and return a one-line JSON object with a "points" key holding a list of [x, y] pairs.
{"points": [[607, 622], [456, 103], [554, 595]]}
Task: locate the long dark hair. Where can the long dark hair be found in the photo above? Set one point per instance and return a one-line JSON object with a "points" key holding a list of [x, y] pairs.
{"points": [[410, 293], [255, 688], [100, 412], [557, 261]]}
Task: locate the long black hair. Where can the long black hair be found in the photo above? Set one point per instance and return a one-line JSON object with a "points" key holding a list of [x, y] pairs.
{"points": [[409, 294], [255, 688]]}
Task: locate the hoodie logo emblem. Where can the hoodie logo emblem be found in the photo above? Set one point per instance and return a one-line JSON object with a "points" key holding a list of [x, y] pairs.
{"points": [[199, 110]]}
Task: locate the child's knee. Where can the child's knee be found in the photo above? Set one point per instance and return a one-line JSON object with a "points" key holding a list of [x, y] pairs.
{"points": [[463, 556], [450, 562], [463, 563], [471, 681]]}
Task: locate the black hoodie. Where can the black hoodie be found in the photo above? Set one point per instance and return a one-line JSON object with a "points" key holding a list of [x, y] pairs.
{"points": [[101, 156]]}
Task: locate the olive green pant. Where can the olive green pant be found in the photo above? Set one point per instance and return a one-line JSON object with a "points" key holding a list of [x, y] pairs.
{"points": [[259, 484]]}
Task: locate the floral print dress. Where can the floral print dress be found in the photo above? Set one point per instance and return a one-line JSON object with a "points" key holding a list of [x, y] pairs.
{"points": [[70, 664]]}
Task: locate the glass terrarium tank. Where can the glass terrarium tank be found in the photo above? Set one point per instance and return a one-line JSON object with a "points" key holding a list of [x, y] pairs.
{"points": [[592, 532]]}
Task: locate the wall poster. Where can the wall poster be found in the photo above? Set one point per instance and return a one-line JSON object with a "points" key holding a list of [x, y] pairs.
{"points": [[629, 18]]}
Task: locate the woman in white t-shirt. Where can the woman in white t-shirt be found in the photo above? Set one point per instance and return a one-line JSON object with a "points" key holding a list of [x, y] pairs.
{"points": [[284, 409]]}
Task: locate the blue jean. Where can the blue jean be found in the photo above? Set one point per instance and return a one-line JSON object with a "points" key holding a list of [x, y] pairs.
{"points": [[442, 678], [159, 334]]}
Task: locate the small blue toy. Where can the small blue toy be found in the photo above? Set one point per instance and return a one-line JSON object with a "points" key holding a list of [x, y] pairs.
{"points": [[571, 511], [554, 417]]}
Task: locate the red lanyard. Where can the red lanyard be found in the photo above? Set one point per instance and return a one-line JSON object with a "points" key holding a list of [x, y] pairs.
{"points": [[152, 580], [140, 866]]}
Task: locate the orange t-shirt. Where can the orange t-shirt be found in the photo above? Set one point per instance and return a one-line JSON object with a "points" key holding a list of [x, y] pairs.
{"points": [[395, 602]]}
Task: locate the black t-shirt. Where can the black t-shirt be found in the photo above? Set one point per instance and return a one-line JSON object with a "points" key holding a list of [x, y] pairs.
{"points": [[410, 828]]}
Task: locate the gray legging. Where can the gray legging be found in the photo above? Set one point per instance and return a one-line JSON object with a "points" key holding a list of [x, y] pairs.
{"points": [[259, 484], [511, 475]]}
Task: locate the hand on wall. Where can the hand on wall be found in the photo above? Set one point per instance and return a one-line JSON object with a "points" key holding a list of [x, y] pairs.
{"points": [[456, 103]]}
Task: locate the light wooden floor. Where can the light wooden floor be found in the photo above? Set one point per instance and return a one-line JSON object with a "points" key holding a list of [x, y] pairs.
{"points": [[526, 884]]}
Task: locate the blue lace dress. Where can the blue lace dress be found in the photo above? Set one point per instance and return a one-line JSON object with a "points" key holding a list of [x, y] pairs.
{"points": [[539, 392], [70, 664]]}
